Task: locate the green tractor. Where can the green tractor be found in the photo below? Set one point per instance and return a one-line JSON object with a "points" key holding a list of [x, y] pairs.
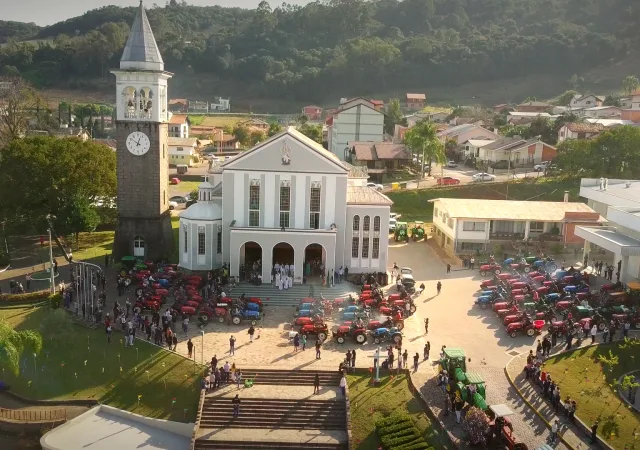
{"points": [[401, 233], [469, 386], [417, 232]]}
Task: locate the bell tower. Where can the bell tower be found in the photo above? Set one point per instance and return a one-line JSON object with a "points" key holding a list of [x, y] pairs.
{"points": [[144, 221]]}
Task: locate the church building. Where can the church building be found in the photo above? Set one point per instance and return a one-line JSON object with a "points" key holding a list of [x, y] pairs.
{"points": [[286, 201]]}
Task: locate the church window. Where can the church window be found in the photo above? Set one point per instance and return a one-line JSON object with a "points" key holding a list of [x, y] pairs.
{"points": [[365, 247], [375, 253], [254, 205], [367, 224], [202, 242], [219, 243], [285, 204], [376, 223], [314, 207], [356, 223], [186, 241], [355, 243]]}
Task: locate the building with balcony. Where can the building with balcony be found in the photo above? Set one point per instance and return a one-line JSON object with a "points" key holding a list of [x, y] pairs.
{"points": [[619, 242], [464, 225]]}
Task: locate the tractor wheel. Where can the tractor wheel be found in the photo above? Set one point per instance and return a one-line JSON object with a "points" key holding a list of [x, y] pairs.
{"points": [[253, 323], [497, 271], [203, 318], [483, 305], [139, 292], [513, 334], [221, 319], [527, 269], [321, 336], [531, 332], [376, 340], [602, 326], [236, 320], [400, 325], [397, 338], [551, 267], [413, 309], [340, 339], [483, 273], [361, 338]]}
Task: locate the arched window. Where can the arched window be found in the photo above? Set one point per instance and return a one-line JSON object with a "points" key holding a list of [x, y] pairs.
{"points": [[376, 223], [356, 223], [367, 223]]}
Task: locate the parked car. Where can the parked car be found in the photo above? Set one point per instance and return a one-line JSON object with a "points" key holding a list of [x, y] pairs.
{"points": [[173, 205], [447, 180], [174, 181], [179, 199], [542, 166], [376, 186], [452, 164], [392, 225], [394, 216], [502, 164], [483, 176]]}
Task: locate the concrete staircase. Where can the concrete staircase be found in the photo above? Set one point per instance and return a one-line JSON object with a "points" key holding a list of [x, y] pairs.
{"points": [[292, 296], [278, 412]]}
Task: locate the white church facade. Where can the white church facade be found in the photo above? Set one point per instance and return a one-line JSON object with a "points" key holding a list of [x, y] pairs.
{"points": [[286, 201]]}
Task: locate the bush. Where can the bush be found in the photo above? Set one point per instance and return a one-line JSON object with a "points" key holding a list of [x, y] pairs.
{"points": [[390, 443], [414, 446], [393, 419], [394, 428], [30, 297], [55, 301]]}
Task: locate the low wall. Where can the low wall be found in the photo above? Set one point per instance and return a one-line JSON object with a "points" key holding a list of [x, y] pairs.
{"points": [[183, 429]]}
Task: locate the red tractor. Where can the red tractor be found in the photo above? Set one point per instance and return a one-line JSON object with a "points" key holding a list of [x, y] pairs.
{"points": [[490, 268], [351, 330], [148, 303], [517, 317], [302, 321], [317, 329], [526, 326], [562, 326]]}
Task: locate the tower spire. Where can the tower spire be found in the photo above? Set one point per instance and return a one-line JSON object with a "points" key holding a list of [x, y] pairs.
{"points": [[141, 51]]}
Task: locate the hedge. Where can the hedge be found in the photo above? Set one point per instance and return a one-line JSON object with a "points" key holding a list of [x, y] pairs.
{"points": [[397, 427], [398, 432], [31, 298], [392, 420], [414, 446], [391, 443]]}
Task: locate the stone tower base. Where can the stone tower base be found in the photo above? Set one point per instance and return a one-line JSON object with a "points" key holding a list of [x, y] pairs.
{"points": [[157, 234]]}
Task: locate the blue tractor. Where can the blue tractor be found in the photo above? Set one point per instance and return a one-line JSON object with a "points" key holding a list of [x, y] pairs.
{"points": [[246, 314], [351, 312], [488, 298], [386, 335]]}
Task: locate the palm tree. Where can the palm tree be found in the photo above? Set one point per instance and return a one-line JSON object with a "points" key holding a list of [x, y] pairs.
{"points": [[423, 139], [630, 84], [14, 343]]}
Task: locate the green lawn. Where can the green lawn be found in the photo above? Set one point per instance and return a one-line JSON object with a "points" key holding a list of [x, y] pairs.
{"points": [[592, 385], [86, 366], [368, 404], [414, 204]]}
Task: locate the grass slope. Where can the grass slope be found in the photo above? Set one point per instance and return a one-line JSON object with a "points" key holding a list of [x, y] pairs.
{"points": [[414, 204], [368, 404], [87, 367], [585, 380]]}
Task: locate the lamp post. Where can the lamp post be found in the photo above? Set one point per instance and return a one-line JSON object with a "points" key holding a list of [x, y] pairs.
{"points": [[202, 347], [52, 279]]}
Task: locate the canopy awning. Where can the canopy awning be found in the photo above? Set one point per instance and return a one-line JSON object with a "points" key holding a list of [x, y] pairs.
{"points": [[611, 240]]}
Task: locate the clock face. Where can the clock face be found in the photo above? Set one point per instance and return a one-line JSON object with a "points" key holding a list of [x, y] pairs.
{"points": [[138, 143]]}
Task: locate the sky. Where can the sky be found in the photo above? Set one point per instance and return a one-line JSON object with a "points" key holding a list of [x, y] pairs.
{"points": [[47, 12]]}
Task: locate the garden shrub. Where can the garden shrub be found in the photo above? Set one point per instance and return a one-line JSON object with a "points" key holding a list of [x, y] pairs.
{"points": [[399, 434], [390, 443], [29, 297], [397, 427], [414, 446], [393, 419]]}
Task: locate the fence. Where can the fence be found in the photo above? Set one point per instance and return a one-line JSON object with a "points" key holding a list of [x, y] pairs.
{"points": [[34, 415]]}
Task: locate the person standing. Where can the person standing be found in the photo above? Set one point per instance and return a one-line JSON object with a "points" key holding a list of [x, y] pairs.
{"points": [[296, 342], [304, 342], [318, 345], [426, 326], [458, 407], [439, 287], [594, 331], [416, 359], [251, 332], [569, 339], [627, 327], [232, 346], [189, 347], [405, 358], [353, 357], [238, 378], [236, 406], [185, 324], [214, 363], [594, 432], [174, 341], [448, 268], [472, 262], [343, 385], [348, 358], [316, 384], [427, 349], [226, 370], [28, 281]]}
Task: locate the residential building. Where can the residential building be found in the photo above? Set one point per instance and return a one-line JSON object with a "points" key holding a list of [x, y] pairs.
{"points": [[471, 148], [515, 150], [534, 107], [465, 225], [287, 201], [412, 119], [632, 112], [182, 151], [257, 124], [467, 120], [462, 133], [607, 123], [223, 142], [619, 242], [626, 102], [111, 143], [602, 112], [579, 130], [398, 133], [355, 120], [220, 104], [179, 126], [313, 112], [497, 109], [416, 101], [203, 131], [63, 132], [520, 117], [178, 105], [378, 105], [198, 107], [380, 158], [585, 101]]}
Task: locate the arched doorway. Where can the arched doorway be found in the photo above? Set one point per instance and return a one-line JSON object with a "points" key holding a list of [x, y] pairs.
{"points": [[314, 263], [282, 254], [138, 246], [250, 261]]}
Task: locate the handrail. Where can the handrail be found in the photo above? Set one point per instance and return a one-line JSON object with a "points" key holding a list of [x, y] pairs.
{"points": [[34, 415]]}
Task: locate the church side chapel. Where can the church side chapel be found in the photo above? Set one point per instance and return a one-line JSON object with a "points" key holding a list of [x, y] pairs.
{"points": [[289, 204]]}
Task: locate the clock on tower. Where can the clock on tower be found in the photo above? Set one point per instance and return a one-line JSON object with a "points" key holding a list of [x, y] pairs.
{"points": [[144, 221]]}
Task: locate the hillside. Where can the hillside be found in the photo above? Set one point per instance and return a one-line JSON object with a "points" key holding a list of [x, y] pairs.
{"points": [[333, 48]]}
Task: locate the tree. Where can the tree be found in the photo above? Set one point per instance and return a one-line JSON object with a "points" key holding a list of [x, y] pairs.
{"points": [[13, 344], [423, 140], [566, 97], [274, 128], [612, 100], [76, 215], [630, 84], [393, 116], [256, 136], [242, 134], [313, 132], [20, 102], [58, 169]]}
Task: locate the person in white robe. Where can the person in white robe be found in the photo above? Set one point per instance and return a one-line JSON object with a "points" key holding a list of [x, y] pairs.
{"points": [[277, 279], [281, 284]]}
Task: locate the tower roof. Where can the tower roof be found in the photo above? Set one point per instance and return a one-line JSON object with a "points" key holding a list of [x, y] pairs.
{"points": [[141, 51]]}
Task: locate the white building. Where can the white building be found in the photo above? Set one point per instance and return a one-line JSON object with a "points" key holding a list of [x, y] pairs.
{"points": [[182, 150], [179, 125], [220, 104], [579, 130], [355, 120], [619, 202], [601, 112], [579, 102], [466, 225], [287, 201]]}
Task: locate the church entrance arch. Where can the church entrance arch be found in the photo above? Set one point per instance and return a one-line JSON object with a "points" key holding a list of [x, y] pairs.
{"points": [[314, 262], [250, 261], [138, 246], [283, 254]]}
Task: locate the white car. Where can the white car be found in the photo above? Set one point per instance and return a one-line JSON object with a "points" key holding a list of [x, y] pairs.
{"points": [[392, 225], [542, 166], [394, 216], [483, 176], [173, 205], [377, 187], [452, 164]]}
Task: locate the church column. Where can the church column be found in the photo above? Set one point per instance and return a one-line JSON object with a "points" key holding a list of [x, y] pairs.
{"points": [[267, 264], [298, 260]]}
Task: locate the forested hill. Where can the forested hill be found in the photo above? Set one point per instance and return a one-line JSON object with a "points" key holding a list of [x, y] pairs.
{"points": [[339, 46]]}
